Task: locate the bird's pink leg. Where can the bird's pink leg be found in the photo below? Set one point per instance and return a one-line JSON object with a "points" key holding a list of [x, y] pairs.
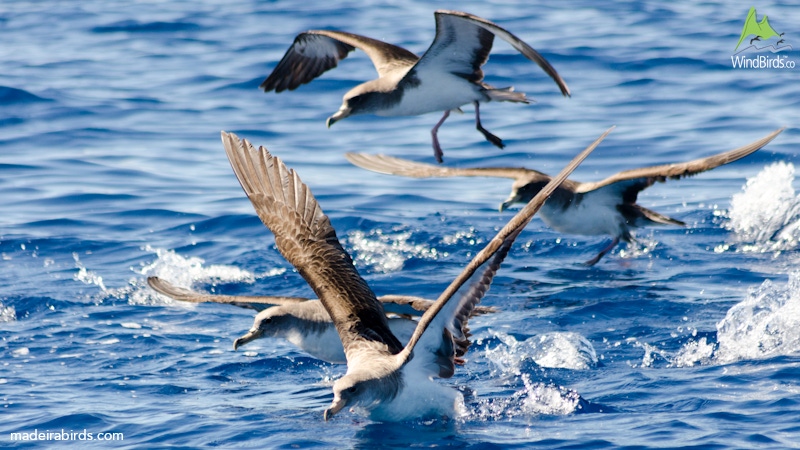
{"points": [[602, 253], [437, 149]]}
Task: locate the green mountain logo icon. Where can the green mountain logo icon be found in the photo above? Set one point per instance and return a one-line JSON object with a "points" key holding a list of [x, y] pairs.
{"points": [[761, 30]]}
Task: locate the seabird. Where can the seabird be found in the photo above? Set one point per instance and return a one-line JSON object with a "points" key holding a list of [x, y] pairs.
{"points": [[604, 207], [445, 78], [388, 380], [305, 322]]}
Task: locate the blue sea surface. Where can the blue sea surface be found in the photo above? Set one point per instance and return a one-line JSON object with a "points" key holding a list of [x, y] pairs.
{"points": [[112, 170]]}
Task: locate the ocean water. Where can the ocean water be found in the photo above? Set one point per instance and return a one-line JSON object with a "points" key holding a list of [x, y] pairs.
{"points": [[111, 170]]}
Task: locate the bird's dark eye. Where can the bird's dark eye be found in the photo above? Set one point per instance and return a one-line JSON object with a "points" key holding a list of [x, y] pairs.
{"points": [[351, 390]]}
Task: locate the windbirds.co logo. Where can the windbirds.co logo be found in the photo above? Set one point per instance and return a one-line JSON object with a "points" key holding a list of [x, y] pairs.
{"points": [[758, 36]]}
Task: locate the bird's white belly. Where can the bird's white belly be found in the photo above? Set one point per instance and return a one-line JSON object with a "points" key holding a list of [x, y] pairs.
{"points": [[588, 218], [420, 398], [328, 347], [441, 93], [325, 346]]}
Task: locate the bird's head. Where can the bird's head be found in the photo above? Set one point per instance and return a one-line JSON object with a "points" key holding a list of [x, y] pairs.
{"points": [[268, 323], [364, 388], [360, 100], [522, 191], [346, 392], [514, 197]]}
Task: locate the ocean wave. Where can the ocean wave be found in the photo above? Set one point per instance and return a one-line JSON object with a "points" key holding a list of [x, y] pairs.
{"points": [[10, 95], [134, 26]]}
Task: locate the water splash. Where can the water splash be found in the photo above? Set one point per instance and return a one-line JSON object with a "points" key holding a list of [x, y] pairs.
{"points": [[549, 350], [7, 313], [86, 276], [765, 324], [554, 350], [765, 216], [468, 237], [532, 399], [183, 272], [694, 352], [640, 247], [651, 353], [386, 252]]}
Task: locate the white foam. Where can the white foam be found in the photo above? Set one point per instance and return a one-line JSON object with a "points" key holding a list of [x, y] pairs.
{"points": [[765, 216]]}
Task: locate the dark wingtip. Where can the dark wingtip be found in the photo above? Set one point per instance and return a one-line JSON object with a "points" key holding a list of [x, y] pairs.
{"points": [[564, 89]]}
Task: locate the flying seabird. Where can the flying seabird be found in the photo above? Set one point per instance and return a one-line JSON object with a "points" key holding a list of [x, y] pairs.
{"points": [[385, 378], [305, 322], [445, 78], [604, 207]]}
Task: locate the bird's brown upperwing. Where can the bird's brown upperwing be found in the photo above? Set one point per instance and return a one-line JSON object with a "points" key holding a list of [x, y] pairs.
{"points": [[305, 237], [680, 170]]}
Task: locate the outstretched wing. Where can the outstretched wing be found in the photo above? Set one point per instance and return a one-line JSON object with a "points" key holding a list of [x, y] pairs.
{"points": [[463, 42], [646, 176], [405, 305], [404, 167], [317, 51], [447, 338], [504, 238], [305, 237], [243, 301]]}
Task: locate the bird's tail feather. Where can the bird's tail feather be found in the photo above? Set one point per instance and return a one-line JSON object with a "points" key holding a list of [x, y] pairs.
{"points": [[640, 216]]}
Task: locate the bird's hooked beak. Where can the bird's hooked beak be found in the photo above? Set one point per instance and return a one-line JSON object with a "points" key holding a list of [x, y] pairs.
{"points": [[343, 112], [335, 407], [251, 335], [509, 201]]}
